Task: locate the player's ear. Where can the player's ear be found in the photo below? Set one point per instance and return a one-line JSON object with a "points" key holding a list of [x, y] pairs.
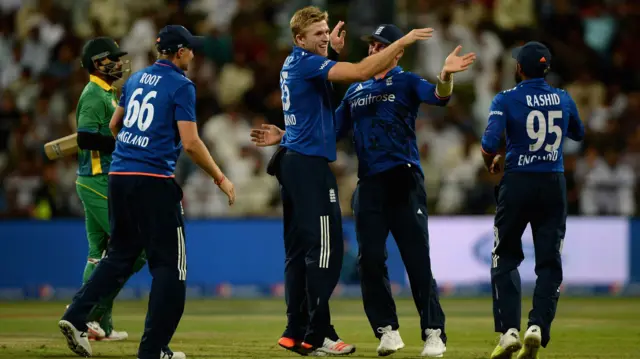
{"points": [[299, 40]]}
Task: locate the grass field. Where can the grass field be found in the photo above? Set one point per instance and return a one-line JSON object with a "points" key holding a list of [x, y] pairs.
{"points": [[584, 328]]}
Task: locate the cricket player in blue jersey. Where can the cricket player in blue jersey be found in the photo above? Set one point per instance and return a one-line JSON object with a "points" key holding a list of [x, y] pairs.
{"points": [[155, 119], [390, 196], [536, 118], [312, 216]]}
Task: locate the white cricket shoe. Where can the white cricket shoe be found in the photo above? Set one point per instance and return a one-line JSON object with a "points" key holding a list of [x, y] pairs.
{"points": [[433, 346], [76, 340], [330, 347], [509, 344], [114, 336], [390, 341], [532, 342]]}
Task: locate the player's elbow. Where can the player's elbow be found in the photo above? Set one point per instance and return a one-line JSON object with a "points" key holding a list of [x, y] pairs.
{"points": [[190, 145], [578, 135], [488, 148], [113, 127]]}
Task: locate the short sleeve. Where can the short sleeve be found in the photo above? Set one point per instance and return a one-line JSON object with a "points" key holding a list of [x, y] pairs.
{"points": [[426, 92], [315, 66], [91, 113], [185, 101]]}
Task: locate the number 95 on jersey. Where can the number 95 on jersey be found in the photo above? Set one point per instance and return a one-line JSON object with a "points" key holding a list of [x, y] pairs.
{"points": [[547, 135]]}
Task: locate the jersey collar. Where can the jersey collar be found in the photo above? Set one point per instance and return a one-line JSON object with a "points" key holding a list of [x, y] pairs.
{"points": [[100, 82], [393, 71], [167, 63], [532, 81]]}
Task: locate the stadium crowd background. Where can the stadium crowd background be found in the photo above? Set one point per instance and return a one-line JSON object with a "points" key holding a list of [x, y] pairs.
{"points": [[596, 59]]}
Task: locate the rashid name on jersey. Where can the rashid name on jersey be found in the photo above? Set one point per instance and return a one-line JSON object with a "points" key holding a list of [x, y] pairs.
{"points": [[536, 117], [306, 103], [154, 99], [383, 116]]}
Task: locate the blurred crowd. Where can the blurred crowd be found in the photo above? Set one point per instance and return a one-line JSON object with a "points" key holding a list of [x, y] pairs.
{"points": [[596, 59]]}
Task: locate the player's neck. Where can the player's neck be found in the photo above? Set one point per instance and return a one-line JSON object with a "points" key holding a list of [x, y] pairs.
{"points": [[107, 79], [383, 73]]}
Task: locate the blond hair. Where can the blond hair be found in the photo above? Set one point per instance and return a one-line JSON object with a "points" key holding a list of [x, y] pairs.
{"points": [[304, 18]]}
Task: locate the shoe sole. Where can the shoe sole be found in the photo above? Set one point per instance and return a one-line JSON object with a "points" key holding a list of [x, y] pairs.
{"points": [[67, 330], [434, 356], [531, 347], [335, 353], [295, 349], [107, 339], [509, 350], [386, 352]]}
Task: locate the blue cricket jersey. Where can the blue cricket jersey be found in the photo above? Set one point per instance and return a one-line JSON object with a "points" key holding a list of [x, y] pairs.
{"points": [[383, 115], [306, 103], [536, 117], [154, 99]]}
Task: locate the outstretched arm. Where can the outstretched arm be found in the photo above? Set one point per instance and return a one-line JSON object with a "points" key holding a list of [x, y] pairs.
{"points": [[371, 65]]}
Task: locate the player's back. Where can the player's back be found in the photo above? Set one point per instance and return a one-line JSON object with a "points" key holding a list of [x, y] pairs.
{"points": [[306, 103], [537, 118], [149, 141]]}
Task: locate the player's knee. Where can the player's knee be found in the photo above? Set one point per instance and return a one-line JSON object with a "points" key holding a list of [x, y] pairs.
{"points": [[371, 262], [96, 252], [139, 264], [167, 274], [503, 266]]}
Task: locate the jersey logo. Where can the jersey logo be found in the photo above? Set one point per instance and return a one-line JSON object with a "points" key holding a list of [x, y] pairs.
{"points": [[389, 82], [324, 64], [113, 102], [332, 195], [369, 99], [359, 87]]}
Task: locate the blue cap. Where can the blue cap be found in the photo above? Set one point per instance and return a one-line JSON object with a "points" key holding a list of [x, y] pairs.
{"points": [[175, 37], [534, 58], [385, 33]]}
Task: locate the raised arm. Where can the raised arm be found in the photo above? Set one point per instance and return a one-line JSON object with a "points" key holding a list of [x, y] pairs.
{"points": [[374, 64]]}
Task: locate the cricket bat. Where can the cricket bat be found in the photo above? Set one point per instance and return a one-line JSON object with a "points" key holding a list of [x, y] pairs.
{"points": [[62, 147]]}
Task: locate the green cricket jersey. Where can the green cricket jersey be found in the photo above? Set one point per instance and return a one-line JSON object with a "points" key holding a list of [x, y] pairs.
{"points": [[95, 107]]}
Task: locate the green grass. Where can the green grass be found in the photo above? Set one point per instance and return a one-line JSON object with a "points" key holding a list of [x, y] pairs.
{"points": [[584, 328]]}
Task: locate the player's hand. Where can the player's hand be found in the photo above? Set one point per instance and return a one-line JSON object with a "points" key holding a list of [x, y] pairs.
{"points": [[456, 62], [337, 37], [268, 135], [416, 35], [496, 165], [227, 187]]}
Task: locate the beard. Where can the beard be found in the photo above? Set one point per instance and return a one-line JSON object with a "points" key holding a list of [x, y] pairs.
{"points": [[517, 77]]}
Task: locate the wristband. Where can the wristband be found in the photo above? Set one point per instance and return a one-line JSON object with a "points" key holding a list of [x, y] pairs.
{"points": [[219, 182]]}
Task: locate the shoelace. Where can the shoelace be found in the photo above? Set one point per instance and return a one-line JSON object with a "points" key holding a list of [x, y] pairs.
{"points": [[383, 330], [433, 337]]}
